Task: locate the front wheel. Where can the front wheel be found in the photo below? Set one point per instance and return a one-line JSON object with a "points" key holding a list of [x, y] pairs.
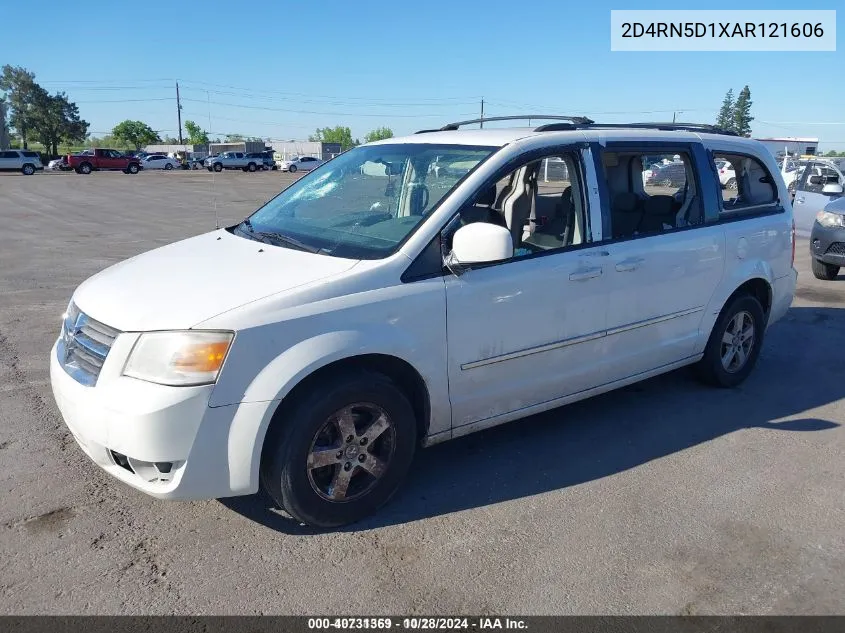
{"points": [[218, 167], [734, 344], [132, 168], [251, 167], [339, 452], [292, 169], [168, 167], [731, 184], [826, 272]]}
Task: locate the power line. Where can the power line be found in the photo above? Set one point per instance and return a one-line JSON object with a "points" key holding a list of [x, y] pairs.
{"points": [[353, 114]]}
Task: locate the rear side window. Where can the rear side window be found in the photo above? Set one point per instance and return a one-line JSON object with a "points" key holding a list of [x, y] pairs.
{"points": [[745, 182], [31, 154], [651, 192]]}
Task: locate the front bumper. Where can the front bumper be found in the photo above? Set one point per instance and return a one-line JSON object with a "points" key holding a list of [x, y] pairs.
{"points": [[828, 244], [134, 430]]}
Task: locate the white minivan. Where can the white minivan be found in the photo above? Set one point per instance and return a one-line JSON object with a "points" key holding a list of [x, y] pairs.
{"points": [[363, 313]]}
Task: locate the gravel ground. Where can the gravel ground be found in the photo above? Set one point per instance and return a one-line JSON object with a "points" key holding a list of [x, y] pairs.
{"points": [[665, 497]]}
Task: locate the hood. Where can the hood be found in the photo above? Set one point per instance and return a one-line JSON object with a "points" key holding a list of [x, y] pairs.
{"points": [[187, 282]]}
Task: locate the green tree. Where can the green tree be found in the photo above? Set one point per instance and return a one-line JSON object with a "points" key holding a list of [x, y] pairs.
{"points": [[725, 119], [55, 119], [21, 93], [135, 133], [4, 128], [196, 135], [235, 138], [337, 134], [380, 133], [742, 113]]}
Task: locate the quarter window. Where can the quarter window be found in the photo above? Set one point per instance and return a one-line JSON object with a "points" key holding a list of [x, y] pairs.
{"points": [[744, 181]]}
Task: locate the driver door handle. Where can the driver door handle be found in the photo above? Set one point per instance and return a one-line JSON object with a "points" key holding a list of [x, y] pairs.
{"points": [[583, 274]]}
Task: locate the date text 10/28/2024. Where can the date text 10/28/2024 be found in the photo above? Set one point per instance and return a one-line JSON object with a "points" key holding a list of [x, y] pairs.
{"points": [[416, 623]]}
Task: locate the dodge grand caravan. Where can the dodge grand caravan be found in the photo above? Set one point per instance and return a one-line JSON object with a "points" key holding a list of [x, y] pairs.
{"points": [[376, 306]]}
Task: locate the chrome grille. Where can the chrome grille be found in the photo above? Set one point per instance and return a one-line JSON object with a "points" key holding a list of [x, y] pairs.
{"points": [[84, 345], [837, 248]]}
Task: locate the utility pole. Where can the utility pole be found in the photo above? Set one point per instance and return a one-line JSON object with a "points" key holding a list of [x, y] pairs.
{"points": [[179, 112], [482, 113]]}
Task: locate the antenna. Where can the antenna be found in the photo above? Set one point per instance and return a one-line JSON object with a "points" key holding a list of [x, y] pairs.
{"points": [[213, 183]]}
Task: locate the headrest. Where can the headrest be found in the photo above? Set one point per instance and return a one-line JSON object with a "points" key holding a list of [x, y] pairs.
{"points": [[488, 196], [626, 202], [658, 205]]}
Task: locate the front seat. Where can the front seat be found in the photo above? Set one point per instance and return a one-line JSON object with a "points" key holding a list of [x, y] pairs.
{"points": [[517, 205]]}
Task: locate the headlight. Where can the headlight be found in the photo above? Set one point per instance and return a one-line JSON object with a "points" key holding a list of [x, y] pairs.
{"points": [[830, 220], [178, 358]]}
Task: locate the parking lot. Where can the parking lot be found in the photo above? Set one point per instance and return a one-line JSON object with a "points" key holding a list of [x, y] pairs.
{"points": [[664, 497]]}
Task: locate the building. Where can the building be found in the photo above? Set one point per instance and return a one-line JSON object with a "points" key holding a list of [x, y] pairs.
{"points": [[794, 145], [193, 150], [283, 150]]}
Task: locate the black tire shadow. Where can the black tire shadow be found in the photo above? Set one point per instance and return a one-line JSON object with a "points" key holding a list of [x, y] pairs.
{"points": [[799, 369]]}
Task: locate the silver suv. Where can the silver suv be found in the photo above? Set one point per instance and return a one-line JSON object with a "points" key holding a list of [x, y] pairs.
{"points": [[21, 160]]}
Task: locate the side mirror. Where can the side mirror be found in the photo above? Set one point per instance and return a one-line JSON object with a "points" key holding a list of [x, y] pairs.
{"points": [[480, 243], [832, 189]]}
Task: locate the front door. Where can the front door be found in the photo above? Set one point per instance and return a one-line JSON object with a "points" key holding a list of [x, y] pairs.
{"points": [[809, 199], [526, 331]]}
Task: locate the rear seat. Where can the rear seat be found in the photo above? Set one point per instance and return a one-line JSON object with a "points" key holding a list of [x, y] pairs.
{"points": [[626, 214], [658, 213]]}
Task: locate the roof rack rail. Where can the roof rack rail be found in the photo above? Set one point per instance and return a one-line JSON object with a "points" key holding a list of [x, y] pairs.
{"points": [[681, 127], [575, 120]]}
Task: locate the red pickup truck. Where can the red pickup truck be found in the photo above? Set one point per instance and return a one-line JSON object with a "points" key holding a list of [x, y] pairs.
{"points": [[103, 160]]}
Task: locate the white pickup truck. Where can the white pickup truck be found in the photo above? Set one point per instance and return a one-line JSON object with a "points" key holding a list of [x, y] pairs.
{"points": [[234, 160]]}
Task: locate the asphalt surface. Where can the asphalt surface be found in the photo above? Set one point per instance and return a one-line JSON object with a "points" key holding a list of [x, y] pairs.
{"points": [[666, 497]]}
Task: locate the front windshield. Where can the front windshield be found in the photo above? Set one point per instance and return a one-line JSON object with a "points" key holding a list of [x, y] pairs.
{"points": [[365, 202]]}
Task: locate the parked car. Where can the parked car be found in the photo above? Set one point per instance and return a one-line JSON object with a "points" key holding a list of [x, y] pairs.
{"points": [[21, 160], [58, 164], [669, 175], [727, 177], [827, 239], [233, 160], [259, 158], [268, 160], [820, 184], [300, 163], [160, 161], [314, 347], [198, 161], [103, 160]]}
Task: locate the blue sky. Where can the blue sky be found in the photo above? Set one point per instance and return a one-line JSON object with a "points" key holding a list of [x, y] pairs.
{"points": [[280, 69]]}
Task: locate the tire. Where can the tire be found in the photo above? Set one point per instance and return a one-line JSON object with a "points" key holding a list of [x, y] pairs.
{"points": [[731, 184], [218, 167], [132, 168], [251, 167], [84, 168], [208, 168], [28, 169], [168, 167], [292, 169], [826, 272], [711, 368], [314, 419]]}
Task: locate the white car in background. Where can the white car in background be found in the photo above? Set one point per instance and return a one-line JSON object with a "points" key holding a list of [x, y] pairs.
{"points": [[160, 161], [300, 163], [727, 176]]}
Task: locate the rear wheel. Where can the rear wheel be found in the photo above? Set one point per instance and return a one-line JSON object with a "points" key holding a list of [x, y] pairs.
{"points": [[827, 272], [85, 168], [734, 344], [28, 169], [341, 451], [292, 168], [731, 184]]}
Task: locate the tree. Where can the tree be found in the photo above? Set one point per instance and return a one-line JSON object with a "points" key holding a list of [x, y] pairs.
{"points": [[726, 112], [378, 134], [135, 133], [4, 128], [170, 140], [337, 134], [21, 92], [742, 113], [235, 138], [56, 119], [196, 135]]}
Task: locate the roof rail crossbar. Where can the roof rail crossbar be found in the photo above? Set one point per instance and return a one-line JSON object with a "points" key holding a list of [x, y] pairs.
{"points": [[425, 131], [684, 127], [556, 127], [576, 120]]}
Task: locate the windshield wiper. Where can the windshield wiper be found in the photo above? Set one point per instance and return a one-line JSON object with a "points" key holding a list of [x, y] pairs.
{"points": [[278, 239]]}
